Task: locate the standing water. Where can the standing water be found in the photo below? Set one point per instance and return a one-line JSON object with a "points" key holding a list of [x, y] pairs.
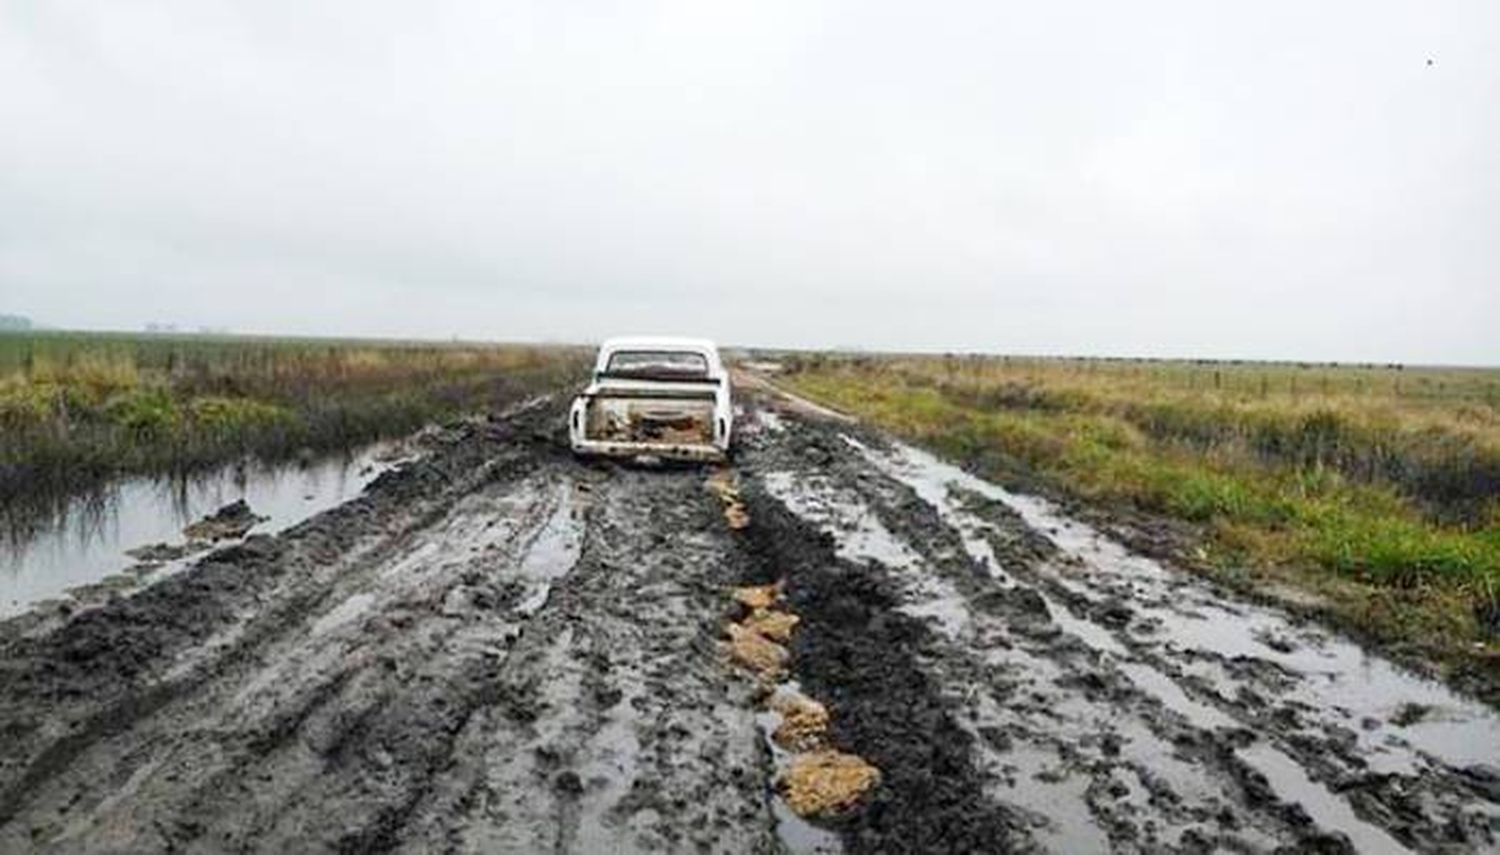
{"points": [[85, 544], [1188, 648]]}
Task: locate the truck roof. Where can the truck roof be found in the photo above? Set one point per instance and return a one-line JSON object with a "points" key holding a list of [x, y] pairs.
{"points": [[658, 342], [667, 343]]}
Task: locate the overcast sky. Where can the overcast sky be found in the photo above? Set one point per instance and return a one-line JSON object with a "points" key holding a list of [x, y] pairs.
{"points": [[1267, 179]]}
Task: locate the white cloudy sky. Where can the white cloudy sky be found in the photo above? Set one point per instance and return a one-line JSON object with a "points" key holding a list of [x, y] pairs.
{"points": [[1193, 178]]}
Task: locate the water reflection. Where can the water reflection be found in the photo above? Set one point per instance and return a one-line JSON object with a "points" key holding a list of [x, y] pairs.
{"points": [[83, 540]]}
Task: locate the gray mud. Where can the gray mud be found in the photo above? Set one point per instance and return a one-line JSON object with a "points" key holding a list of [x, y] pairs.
{"points": [[1109, 702], [498, 648]]}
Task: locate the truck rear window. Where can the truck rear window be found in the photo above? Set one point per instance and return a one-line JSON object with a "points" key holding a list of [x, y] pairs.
{"points": [[671, 364]]}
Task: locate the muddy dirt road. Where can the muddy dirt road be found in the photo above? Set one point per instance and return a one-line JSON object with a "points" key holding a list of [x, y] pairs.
{"points": [[498, 648]]}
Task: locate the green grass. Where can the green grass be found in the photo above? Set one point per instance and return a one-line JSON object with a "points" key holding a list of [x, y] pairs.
{"points": [[77, 409], [1382, 499]]}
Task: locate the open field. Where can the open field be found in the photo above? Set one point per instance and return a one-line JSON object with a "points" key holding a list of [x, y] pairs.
{"points": [[79, 408], [500, 647], [1377, 489]]}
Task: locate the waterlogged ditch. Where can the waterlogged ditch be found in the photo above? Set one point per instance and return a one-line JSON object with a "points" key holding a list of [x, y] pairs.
{"points": [[83, 548]]}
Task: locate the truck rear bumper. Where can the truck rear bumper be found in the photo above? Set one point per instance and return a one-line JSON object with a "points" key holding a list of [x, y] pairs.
{"points": [[659, 450]]}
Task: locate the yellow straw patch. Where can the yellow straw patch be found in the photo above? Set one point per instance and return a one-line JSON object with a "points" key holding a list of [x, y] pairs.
{"points": [[756, 652], [775, 625], [820, 783], [736, 515], [758, 596], [722, 484], [804, 721]]}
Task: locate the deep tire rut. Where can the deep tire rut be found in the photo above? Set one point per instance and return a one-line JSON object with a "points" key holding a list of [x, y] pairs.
{"points": [[1090, 687]]}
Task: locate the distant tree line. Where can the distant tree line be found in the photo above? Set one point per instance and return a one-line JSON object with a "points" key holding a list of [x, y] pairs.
{"points": [[14, 323]]}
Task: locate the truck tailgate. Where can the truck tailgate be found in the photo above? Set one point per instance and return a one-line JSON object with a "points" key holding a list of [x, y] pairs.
{"points": [[675, 420]]}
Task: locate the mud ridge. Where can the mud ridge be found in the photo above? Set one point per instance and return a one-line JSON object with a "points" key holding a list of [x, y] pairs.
{"points": [[854, 652]]}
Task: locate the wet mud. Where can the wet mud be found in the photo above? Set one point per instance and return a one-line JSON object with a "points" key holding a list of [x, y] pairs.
{"points": [[1111, 703], [497, 647]]}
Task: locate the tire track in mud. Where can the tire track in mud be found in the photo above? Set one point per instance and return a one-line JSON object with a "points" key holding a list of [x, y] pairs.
{"points": [[67, 691], [854, 650], [813, 778], [621, 729], [499, 648], [1306, 717], [529, 664], [1084, 729], [266, 738], [382, 681]]}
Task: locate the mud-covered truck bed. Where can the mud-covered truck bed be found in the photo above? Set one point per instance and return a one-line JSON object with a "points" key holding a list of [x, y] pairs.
{"points": [[654, 397]]}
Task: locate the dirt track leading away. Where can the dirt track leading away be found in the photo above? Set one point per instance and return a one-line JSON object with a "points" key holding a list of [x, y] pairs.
{"points": [[498, 648]]}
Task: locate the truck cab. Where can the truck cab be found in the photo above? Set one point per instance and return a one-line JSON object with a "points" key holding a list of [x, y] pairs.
{"points": [[654, 398]]}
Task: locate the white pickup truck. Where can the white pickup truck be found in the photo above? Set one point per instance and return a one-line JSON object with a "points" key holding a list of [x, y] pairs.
{"points": [[655, 398]]}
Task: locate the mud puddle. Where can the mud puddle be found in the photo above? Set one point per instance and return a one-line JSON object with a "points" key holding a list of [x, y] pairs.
{"points": [[554, 551], [860, 536], [1322, 716], [86, 544], [796, 834], [1192, 623]]}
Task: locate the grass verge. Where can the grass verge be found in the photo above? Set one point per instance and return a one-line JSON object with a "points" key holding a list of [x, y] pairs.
{"points": [[79, 409], [1385, 510]]}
